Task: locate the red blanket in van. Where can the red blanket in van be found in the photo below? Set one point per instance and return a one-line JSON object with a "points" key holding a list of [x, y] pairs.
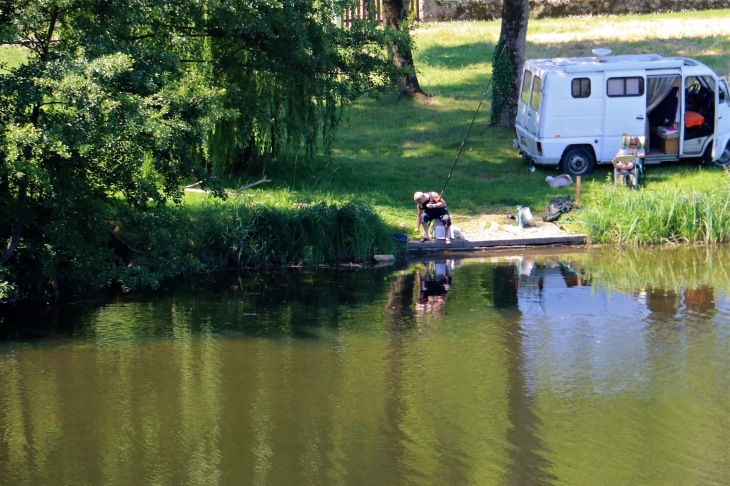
{"points": [[693, 119]]}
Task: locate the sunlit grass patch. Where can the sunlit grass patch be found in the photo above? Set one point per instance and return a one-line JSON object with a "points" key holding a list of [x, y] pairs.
{"points": [[12, 57]]}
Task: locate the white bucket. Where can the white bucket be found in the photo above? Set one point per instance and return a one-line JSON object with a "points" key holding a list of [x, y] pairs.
{"points": [[439, 232]]}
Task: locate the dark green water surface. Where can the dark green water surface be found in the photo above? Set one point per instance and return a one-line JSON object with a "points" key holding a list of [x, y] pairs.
{"points": [[599, 367]]}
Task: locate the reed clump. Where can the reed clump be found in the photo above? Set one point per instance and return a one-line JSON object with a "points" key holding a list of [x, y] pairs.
{"points": [[618, 215], [244, 232]]}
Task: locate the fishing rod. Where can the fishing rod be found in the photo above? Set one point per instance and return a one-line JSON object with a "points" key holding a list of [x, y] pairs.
{"points": [[472, 123]]}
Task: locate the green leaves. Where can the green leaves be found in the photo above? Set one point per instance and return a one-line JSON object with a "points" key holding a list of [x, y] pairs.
{"points": [[120, 102]]}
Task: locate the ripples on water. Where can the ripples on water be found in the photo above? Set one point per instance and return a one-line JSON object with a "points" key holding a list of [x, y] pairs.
{"points": [[584, 368]]}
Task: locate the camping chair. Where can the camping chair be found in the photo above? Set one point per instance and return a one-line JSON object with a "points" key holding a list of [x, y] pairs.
{"points": [[629, 177]]}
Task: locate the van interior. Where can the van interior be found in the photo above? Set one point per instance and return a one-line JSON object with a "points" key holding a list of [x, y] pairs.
{"points": [[664, 113]]}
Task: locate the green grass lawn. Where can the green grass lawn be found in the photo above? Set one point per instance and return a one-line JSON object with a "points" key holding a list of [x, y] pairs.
{"points": [[11, 57], [389, 148]]}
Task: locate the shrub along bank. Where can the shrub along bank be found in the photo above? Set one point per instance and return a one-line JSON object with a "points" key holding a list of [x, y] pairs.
{"points": [[209, 234]]}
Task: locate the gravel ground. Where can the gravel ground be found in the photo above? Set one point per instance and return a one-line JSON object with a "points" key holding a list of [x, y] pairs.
{"points": [[490, 226]]}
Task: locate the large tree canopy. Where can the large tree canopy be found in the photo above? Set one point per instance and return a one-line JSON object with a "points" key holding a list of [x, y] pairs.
{"points": [[121, 100]]}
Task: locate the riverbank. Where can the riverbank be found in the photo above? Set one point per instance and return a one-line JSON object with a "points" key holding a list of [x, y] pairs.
{"points": [[389, 148], [342, 206]]}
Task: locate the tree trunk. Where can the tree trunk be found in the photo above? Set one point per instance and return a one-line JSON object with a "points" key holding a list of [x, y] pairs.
{"points": [[509, 56], [394, 12]]}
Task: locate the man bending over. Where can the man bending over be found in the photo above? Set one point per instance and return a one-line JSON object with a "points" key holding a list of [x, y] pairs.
{"points": [[431, 206]]}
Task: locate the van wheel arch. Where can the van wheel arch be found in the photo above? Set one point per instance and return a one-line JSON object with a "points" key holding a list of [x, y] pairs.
{"points": [[723, 161], [578, 160]]}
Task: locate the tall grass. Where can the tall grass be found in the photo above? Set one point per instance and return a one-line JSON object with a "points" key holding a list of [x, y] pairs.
{"points": [[615, 214], [279, 231]]}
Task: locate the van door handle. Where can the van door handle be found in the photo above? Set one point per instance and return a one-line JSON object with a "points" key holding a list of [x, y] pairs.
{"points": [[640, 117]]}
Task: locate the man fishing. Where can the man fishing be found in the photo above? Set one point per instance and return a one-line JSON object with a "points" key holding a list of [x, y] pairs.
{"points": [[431, 206]]}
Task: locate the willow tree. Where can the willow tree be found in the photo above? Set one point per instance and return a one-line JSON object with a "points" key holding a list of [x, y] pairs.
{"points": [[509, 55], [286, 71]]}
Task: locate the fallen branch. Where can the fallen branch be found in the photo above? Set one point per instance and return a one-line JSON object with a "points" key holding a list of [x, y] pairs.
{"points": [[190, 188], [254, 184]]}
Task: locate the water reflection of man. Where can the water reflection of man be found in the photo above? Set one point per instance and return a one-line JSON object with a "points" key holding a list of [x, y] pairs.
{"points": [[433, 286]]}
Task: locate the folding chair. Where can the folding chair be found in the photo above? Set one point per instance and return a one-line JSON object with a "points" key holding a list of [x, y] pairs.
{"points": [[629, 177]]}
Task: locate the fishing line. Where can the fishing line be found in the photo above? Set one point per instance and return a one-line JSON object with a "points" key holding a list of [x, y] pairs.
{"points": [[472, 122]]}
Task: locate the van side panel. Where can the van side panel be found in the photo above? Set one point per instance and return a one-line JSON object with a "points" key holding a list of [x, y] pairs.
{"points": [[573, 120], [573, 117]]}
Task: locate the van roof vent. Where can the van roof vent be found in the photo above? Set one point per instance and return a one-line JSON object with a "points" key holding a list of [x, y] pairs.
{"points": [[601, 54], [689, 62]]}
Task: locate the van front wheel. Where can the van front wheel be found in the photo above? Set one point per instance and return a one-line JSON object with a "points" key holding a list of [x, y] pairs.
{"points": [[577, 161]]}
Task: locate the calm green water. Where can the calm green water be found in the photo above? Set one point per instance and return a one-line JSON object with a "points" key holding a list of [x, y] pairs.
{"points": [[592, 368]]}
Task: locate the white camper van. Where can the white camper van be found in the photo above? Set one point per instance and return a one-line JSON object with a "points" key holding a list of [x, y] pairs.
{"points": [[574, 112]]}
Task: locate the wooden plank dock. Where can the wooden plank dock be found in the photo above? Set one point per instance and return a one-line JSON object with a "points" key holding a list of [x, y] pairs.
{"points": [[460, 244]]}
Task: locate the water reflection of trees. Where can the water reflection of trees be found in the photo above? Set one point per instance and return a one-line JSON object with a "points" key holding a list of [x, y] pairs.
{"points": [[160, 391], [630, 268]]}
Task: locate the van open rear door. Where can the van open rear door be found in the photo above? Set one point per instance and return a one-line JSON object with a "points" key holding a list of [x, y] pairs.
{"points": [[528, 111], [722, 115], [625, 109]]}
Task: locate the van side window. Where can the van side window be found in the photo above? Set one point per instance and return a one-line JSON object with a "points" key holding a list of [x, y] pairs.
{"points": [[580, 88], [536, 92], [625, 87], [526, 81]]}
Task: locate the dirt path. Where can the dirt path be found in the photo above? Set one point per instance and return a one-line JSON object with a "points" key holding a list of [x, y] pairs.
{"points": [[493, 226], [494, 223]]}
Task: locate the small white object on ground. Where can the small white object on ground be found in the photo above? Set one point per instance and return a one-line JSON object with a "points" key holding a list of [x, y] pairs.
{"points": [[559, 181], [456, 232]]}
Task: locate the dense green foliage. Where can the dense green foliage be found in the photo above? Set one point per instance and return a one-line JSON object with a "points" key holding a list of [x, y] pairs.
{"points": [[242, 231], [115, 106], [287, 72]]}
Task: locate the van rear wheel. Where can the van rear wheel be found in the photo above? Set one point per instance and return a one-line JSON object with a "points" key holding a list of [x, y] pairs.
{"points": [[578, 161]]}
